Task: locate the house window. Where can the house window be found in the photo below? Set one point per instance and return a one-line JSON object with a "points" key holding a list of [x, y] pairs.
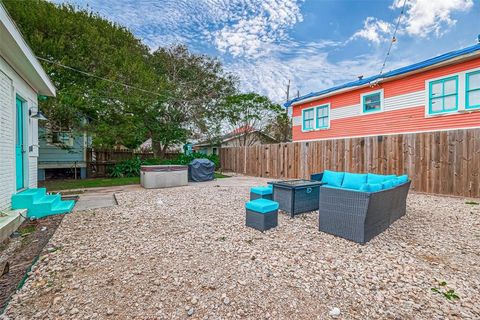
{"points": [[372, 102], [308, 116], [323, 117], [60, 138], [443, 95], [472, 90]]}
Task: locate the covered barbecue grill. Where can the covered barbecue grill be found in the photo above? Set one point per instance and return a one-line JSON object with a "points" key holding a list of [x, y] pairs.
{"points": [[201, 170]]}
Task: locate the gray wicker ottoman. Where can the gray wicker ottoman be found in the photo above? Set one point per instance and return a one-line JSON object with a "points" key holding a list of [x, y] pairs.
{"points": [[261, 214], [296, 196], [262, 192]]}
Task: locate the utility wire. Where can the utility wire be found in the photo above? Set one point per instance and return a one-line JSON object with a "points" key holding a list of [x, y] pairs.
{"points": [[88, 74], [394, 39]]}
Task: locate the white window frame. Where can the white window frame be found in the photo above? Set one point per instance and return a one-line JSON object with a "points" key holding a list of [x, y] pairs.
{"points": [[315, 116], [328, 117], [382, 102], [314, 119], [462, 89]]}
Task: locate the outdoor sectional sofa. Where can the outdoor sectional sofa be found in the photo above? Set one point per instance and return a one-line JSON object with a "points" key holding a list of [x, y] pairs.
{"points": [[358, 207]]}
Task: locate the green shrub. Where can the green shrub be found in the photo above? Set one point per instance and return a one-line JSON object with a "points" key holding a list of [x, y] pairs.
{"points": [[131, 167]]}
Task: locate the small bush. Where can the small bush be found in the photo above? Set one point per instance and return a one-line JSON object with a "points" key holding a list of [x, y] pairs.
{"points": [[131, 167]]}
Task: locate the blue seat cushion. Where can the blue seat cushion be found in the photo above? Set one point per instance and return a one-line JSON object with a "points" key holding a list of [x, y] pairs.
{"points": [[333, 178], [378, 178], [354, 180], [389, 184], [262, 190], [402, 179], [262, 205], [371, 187], [339, 188]]}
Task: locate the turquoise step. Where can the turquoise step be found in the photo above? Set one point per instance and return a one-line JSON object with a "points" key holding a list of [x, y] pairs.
{"points": [[22, 199], [39, 204]]}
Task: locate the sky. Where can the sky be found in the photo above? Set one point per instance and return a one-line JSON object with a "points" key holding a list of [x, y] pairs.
{"points": [[313, 43]]}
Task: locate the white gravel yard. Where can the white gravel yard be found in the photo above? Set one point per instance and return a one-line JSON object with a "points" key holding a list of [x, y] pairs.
{"points": [[180, 252]]}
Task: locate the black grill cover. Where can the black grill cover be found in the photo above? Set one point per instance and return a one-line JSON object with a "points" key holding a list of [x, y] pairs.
{"points": [[201, 170]]}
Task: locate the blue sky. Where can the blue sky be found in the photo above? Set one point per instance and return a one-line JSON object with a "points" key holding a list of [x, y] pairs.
{"points": [[313, 43]]}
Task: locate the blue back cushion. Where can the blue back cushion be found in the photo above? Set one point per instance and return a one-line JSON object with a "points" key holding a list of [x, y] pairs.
{"points": [[354, 180], [333, 178], [378, 178], [371, 187]]}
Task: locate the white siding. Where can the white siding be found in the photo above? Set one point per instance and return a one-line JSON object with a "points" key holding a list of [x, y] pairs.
{"points": [[408, 100], [403, 101], [11, 85], [345, 112], [7, 151]]}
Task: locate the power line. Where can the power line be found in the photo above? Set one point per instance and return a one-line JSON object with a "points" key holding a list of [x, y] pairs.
{"points": [[394, 39], [88, 74]]}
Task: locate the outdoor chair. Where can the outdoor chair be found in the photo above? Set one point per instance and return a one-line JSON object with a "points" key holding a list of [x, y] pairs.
{"points": [[360, 212]]}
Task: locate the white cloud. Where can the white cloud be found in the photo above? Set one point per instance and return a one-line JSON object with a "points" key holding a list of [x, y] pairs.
{"points": [[309, 66], [264, 22], [423, 17], [374, 30]]}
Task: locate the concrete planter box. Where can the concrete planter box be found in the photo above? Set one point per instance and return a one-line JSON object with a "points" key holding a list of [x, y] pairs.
{"points": [[163, 176], [10, 223]]}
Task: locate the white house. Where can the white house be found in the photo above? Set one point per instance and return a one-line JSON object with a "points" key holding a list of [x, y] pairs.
{"points": [[22, 80]]}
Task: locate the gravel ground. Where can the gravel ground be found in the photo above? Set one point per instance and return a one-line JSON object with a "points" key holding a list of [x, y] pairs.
{"points": [[180, 252]]}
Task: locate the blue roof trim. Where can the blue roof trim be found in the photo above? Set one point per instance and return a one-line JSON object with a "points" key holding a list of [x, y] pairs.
{"points": [[396, 72]]}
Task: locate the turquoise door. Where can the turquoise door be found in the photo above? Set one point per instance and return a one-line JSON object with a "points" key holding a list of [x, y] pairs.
{"points": [[19, 146]]}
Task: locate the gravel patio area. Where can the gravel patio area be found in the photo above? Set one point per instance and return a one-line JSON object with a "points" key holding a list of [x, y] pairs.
{"points": [[185, 252]]}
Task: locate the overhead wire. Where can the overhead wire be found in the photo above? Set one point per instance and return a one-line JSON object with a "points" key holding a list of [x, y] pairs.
{"points": [[88, 74], [394, 39]]}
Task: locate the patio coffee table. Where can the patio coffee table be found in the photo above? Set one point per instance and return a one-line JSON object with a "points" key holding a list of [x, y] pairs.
{"points": [[296, 196]]}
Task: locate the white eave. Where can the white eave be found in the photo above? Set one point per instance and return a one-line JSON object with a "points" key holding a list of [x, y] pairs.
{"points": [[21, 58]]}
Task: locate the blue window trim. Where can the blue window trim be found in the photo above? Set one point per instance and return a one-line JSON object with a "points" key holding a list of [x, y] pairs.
{"points": [[367, 94], [303, 119], [442, 81], [467, 90], [323, 106]]}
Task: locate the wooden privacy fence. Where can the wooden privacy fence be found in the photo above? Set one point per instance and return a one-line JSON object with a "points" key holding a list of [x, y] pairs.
{"points": [[442, 162], [99, 161]]}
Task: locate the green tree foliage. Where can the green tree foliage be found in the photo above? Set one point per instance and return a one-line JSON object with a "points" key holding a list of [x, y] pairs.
{"points": [[197, 86], [85, 41]]}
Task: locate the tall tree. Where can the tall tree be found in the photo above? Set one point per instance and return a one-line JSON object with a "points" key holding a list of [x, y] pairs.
{"points": [[197, 87], [85, 41], [248, 112]]}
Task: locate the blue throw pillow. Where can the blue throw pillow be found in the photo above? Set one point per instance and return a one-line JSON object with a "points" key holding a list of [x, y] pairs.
{"points": [[389, 184], [354, 180], [333, 178], [378, 178]]}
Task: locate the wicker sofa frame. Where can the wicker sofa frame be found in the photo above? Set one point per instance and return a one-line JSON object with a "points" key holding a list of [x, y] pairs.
{"points": [[360, 216]]}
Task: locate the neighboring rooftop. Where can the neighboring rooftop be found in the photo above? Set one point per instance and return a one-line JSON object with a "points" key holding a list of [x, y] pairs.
{"points": [[475, 49]]}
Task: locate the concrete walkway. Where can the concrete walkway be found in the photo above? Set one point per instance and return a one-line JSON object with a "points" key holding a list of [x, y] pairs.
{"points": [[104, 197]]}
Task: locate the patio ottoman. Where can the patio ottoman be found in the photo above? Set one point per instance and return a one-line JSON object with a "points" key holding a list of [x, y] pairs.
{"points": [[261, 214], [261, 192]]}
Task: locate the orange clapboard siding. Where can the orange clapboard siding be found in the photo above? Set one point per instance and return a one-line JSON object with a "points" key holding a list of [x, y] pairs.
{"points": [[399, 121], [408, 84]]}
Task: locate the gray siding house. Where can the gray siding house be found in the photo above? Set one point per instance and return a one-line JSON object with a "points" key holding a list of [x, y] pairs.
{"points": [[62, 154]]}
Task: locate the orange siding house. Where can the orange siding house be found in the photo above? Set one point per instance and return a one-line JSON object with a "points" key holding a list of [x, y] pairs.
{"points": [[441, 93]]}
